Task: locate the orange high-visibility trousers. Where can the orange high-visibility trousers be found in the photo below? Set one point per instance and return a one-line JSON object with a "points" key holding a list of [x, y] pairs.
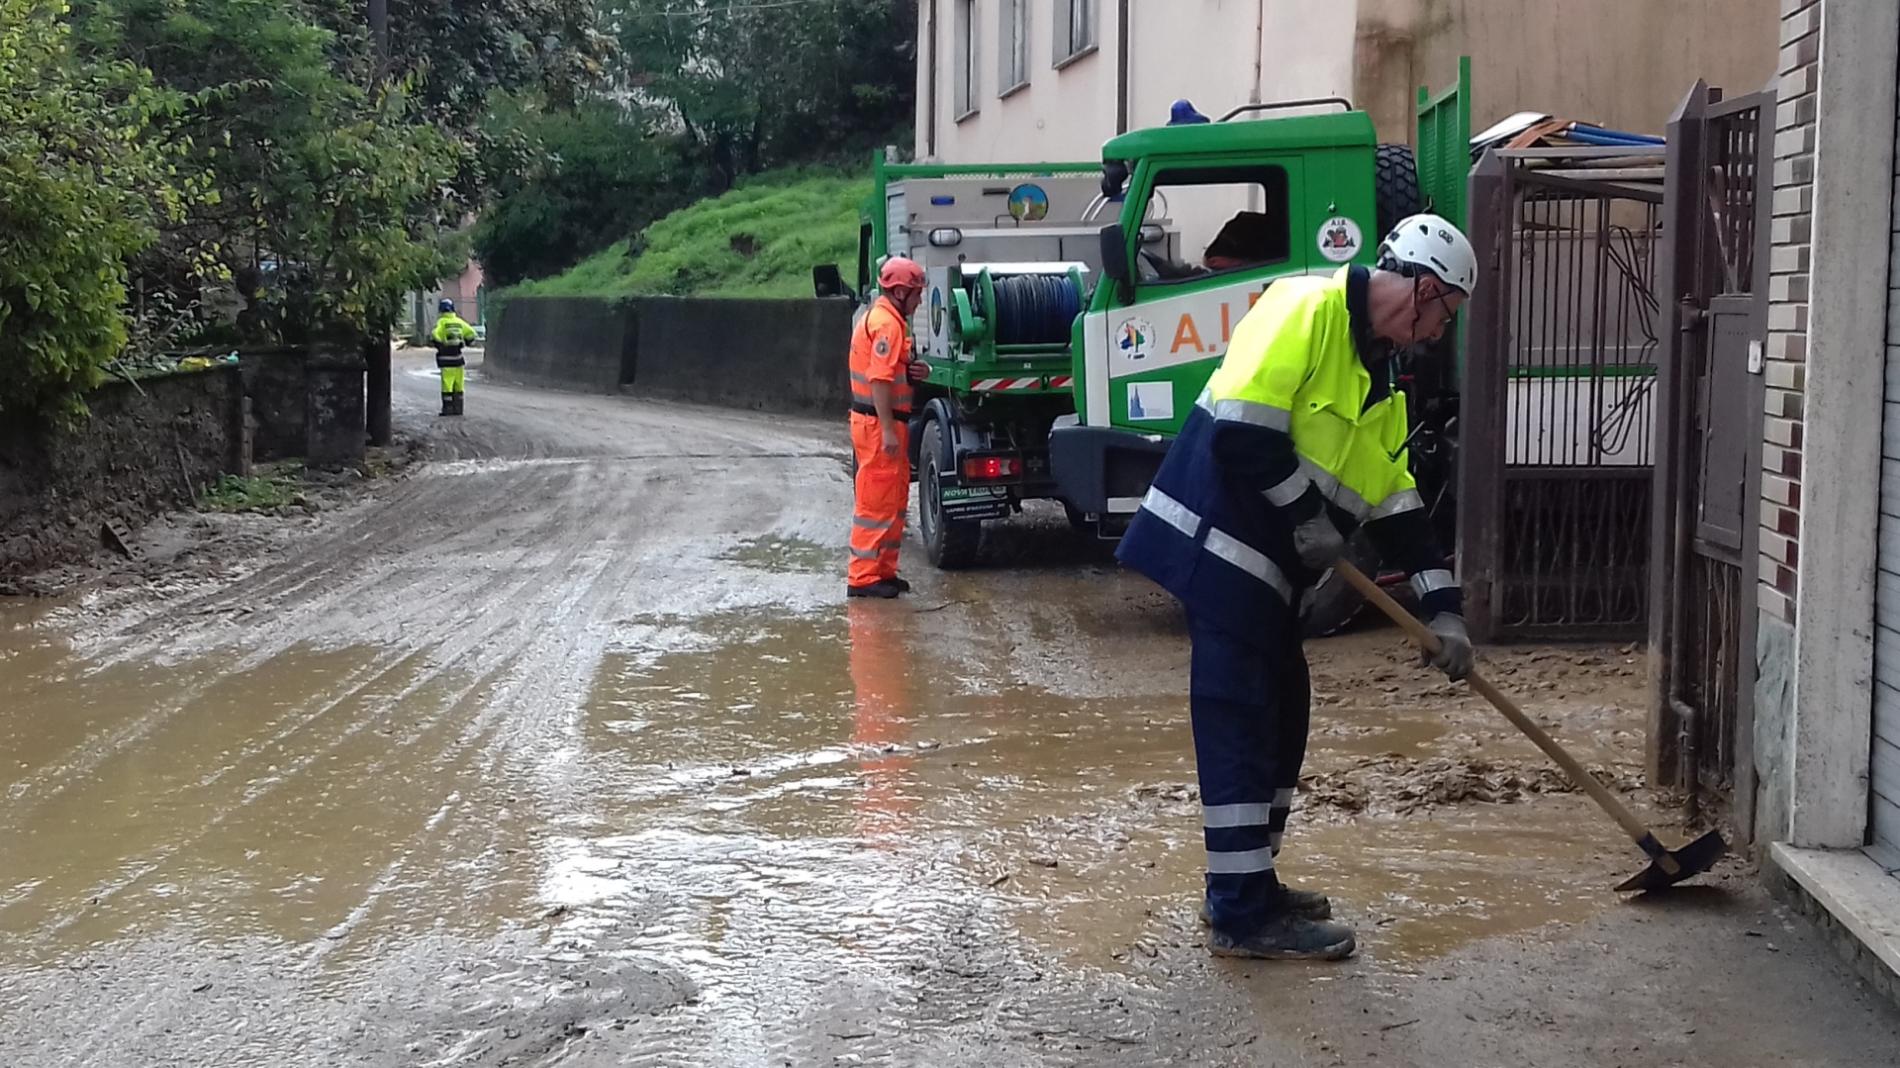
{"points": [[883, 497]]}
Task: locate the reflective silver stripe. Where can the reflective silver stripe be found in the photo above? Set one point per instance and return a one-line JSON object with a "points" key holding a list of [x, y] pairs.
{"points": [[1283, 797], [1430, 581], [1253, 413], [1342, 495], [1250, 560], [870, 524], [1246, 863], [1290, 490], [1173, 512], [864, 554], [1402, 501], [859, 378], [1248, 814]]}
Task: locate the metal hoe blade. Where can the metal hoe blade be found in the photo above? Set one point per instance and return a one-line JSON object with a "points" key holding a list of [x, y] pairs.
{"points": [[1691, 860]]}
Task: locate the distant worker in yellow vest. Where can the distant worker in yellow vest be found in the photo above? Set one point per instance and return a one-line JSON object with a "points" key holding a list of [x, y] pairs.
{"points": [[450, 334]]}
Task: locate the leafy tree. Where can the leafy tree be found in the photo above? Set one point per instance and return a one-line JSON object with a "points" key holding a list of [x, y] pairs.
{"points": [[330, 193], [757, 86], [84, 187], [586, 177]]}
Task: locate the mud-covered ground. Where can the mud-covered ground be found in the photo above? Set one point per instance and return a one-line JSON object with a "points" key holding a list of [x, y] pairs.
{"points": [[563, 747]]}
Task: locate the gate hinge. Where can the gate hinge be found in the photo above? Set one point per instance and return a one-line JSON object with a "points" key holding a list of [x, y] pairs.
{"points": [[1690, 317]]}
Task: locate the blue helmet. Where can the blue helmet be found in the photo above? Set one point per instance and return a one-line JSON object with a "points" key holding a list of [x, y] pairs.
{"points": [[447, 305]]}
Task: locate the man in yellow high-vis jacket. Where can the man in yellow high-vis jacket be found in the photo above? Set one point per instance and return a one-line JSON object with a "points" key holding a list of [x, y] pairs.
{"points": [[1298, 440], [450, 334]]}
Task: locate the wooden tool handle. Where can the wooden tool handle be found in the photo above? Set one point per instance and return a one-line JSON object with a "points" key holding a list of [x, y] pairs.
{"points": [[1429, 641]]}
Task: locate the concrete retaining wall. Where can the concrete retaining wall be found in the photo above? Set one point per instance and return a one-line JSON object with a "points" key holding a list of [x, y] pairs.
{"points": [[563, 342], [144, 451], [768, 355]]}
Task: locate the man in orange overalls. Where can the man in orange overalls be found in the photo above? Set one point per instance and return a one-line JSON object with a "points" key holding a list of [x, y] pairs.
{"points": [[881, 373]]}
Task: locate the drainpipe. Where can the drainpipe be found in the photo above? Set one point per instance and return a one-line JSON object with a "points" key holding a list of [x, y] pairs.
{"points": [[930, 89], [1259, 48], [1124, 47]]}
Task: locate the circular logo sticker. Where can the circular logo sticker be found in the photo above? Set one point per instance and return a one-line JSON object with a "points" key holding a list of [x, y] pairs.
{"points": [[1135, 339], [1339, 239], [936, 310], [1028, 203]]}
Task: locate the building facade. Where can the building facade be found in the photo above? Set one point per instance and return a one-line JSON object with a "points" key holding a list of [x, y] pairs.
{"points": [[1050, 80], [1827, 703]]}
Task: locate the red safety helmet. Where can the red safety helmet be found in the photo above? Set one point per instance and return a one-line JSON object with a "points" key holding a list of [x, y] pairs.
{"points": [[899, 272]]}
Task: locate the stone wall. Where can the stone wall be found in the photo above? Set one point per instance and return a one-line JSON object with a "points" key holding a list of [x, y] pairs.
{"points": [[146, 449]]}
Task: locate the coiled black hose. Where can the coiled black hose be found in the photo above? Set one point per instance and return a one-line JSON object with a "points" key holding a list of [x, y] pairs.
{"points": [[1035, 309]]}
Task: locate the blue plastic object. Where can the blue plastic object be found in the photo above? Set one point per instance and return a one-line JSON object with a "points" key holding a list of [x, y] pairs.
{"points": [[1183, 114]]}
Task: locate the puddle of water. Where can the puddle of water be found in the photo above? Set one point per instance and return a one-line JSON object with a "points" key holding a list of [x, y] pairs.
{"points": [[839, 775], [786, 556]]}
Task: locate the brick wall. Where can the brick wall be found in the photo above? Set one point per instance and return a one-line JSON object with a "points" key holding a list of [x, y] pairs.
{"points": [[1787, 353]]}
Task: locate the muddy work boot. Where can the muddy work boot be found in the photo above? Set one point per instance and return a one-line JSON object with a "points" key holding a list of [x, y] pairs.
{"points": [[1286, 937], [882, 590], [1307, 904], [448, 404], [902, 586]]}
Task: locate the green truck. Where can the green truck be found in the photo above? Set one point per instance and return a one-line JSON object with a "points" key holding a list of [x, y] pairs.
{"points": [[1074, 311]]}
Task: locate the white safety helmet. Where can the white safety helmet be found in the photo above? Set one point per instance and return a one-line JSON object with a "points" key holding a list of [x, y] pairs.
{"points": [[1431, 243]]}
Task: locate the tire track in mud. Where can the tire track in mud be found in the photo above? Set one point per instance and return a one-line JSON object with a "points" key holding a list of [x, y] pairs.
{"points": [[30, 792], [486, 628]]}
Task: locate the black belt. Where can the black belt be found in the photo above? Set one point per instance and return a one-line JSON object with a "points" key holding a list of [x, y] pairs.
{"points": [[870, 410]]}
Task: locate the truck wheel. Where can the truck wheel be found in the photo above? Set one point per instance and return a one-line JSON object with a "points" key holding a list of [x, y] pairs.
{"points": [[1395, 187], [951, 544], [1333, 604]]}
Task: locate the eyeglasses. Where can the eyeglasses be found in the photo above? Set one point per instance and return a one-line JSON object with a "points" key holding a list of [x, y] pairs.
{"points": [[1444, 306]]}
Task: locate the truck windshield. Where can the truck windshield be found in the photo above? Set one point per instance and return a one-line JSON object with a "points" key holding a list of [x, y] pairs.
{"points": [[1234, 218]]}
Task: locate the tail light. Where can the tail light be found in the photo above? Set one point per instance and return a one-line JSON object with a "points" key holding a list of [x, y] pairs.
{"points": [[991, 468]]}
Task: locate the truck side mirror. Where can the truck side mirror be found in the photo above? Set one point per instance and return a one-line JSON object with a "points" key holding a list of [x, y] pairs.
{"points": [[827, 282], [1115, 266]]}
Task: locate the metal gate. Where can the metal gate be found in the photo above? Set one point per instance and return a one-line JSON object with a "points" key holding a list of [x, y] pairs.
{"points": [[1559, 397], [1708, 465]]}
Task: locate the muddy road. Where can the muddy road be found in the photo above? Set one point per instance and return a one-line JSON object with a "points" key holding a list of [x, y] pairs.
{"points": [[565, 749]]}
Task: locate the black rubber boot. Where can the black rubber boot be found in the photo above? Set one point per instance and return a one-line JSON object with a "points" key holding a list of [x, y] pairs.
{"points": [[1306, 904], [458, 402], [1287, 937], [902, 586], [448, 404], [883, 590]]}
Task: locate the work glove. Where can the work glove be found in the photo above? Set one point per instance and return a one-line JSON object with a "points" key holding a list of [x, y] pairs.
{"points": [[1318, 542], [1455, 655]]}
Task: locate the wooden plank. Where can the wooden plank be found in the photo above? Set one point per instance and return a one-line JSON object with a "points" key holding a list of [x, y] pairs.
{"points": [[1886, 650], [1890, 431], [1889, 474], [1885, 775], [1892, 376], [1888, 857], [1889, 557], [1886, 599], [1887, 724], [1886, 661], [1883, 822]]}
